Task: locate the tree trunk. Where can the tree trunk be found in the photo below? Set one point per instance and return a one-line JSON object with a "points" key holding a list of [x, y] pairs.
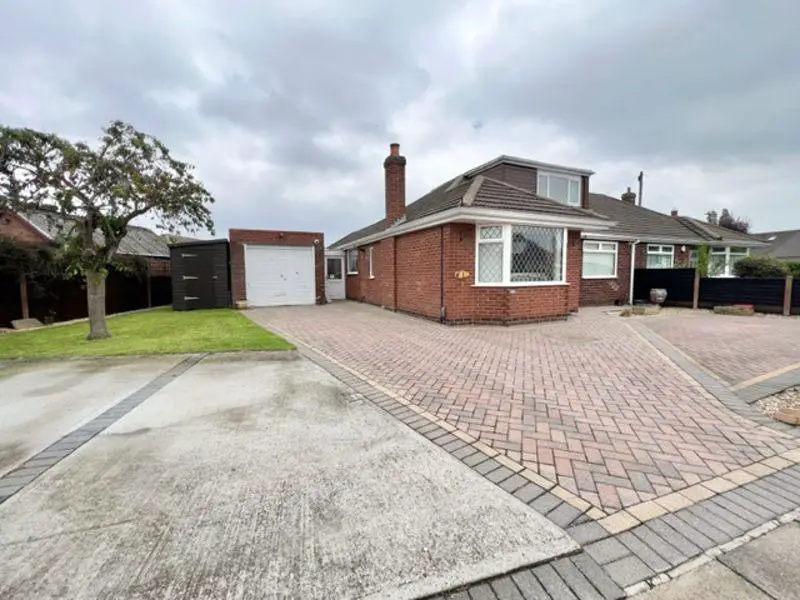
{"points": [[96, 304], [23, 296]]}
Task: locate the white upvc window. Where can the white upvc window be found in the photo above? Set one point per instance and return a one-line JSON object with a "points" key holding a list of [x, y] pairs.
{"points": [[370, 263], [516, 255], [352, 262], [558, 186], [660, 257], [722, 259], [599, 260]]}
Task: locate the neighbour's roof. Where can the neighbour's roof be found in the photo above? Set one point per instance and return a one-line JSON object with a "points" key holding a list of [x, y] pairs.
{"points": [[636, 221], [139, 241], [479, 192], [782, 244]]}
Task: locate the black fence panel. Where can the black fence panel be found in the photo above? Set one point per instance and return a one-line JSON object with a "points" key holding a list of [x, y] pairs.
{"points": [[679, 284], [765, 294], [161, 290], [796, 296]]}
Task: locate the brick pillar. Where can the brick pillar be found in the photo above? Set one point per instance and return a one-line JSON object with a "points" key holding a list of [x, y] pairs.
{"points": [[395, 169]]}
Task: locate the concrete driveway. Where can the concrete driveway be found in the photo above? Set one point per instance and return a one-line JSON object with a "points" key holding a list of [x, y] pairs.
{"points": [[242, 479], [588, 404], [41, 402]]}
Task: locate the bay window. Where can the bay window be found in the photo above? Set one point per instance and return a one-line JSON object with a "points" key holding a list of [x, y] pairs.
{"points": [[563, 188], [599, 260], [352, 262], [519, 254], [660, 257]]}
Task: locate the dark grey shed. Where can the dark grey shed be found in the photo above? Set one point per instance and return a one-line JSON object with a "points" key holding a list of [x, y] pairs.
{"points": [[200, 274]]}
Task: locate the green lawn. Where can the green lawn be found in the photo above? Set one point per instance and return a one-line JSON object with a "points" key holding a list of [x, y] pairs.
{"points": [[158, 331]]}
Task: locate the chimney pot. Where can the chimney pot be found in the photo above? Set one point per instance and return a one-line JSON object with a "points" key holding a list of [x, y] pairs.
{"points": [[673, 212], [394, 149], [629, 197]]}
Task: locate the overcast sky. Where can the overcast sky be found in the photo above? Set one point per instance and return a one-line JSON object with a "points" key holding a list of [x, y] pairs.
{"points": [[287, 107]]}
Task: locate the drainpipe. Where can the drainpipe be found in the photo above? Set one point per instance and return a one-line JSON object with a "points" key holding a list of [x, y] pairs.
{"points": [[441, 275], [633, 266]]}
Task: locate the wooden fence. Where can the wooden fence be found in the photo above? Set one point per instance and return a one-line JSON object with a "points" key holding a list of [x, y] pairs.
{"points": [[685, 288]]}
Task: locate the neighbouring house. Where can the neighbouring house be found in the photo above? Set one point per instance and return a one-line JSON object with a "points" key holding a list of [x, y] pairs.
{"points": [[67, 299], [501, 243], [784, 245], [656, 240]]}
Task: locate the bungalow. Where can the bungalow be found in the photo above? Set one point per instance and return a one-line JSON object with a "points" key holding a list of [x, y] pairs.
{"points": [[656, 240], [515, 240], [483, 247]]}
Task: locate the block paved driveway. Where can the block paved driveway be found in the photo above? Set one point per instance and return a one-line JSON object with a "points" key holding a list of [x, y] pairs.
{"points": [[735, 349], [586, 403]]}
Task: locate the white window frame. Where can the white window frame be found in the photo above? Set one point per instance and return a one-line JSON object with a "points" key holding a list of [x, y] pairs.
{"points": [[570, 178], [660, 250], [507, 254], [353, 252], [369, 259], [603, 248], [727, 269]]}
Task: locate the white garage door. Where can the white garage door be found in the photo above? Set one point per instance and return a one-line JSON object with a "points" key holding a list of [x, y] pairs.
{"points": [[279, 275]]}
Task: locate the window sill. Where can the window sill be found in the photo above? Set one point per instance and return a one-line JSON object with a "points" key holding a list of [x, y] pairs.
{"points": [[521, 284], [352, 272], [599, 277]]}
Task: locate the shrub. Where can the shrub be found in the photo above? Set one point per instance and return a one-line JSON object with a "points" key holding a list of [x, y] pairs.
{"points": [[794, 268], [760, 266]]}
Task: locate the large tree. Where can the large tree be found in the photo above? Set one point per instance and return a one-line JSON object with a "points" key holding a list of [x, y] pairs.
{"points": [[727, 220], [98, 190]]}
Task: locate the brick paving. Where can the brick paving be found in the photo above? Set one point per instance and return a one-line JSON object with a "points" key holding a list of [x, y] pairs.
{"points": [[736, 349], [587, 404]]}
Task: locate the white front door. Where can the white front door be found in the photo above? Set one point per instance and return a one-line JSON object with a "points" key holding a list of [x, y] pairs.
{"points": [[334, 277], [279, 275]]}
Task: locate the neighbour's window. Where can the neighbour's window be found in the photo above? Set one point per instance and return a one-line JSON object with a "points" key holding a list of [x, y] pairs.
{"points": [[660, 257], [722, 259], [369, 260], [563, 188], [352, 262], [519, 254], [599, 259]]}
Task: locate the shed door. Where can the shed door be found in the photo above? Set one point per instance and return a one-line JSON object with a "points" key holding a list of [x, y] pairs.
{"points": [[279, 275]]}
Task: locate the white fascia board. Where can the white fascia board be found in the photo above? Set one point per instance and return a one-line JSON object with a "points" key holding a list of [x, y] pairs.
{"points": [[465, 214], [655, 239]]}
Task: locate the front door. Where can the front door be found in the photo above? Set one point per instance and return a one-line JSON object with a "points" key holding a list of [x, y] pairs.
{"points": [[334, 278]]}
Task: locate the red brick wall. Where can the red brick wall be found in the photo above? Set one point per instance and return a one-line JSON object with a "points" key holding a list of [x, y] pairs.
{"points": [[378, 290], [419, 271], [239, 237], [17, 228], [601, 292]]}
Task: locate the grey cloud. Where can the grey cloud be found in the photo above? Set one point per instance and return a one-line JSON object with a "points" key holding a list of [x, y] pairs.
{"points": [[677, 81]]}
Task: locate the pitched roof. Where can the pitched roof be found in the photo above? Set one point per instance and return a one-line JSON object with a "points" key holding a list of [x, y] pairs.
{"points": [[478, 192], [139, 241], [782, 244], [636, 221]]}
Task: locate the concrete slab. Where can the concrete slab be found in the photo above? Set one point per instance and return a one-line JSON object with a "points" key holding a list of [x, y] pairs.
{"points": [[770, 562], [258, 479], [42, 401], [709, 581]]}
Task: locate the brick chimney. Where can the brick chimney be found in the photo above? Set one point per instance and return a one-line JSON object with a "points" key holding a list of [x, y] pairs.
{"points": [[395, 168], [629, 197], [673, 212]]}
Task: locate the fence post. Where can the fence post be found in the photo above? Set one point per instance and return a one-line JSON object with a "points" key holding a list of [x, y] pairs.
{"points": [[696, 290], [23, 296], [787, 297]]}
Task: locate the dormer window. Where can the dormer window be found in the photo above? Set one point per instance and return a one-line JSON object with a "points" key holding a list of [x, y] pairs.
{"points": [[560, 187]]}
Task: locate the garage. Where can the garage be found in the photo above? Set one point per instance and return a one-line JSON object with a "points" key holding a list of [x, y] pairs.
{"points": [[277, 268], [279, 275]]}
